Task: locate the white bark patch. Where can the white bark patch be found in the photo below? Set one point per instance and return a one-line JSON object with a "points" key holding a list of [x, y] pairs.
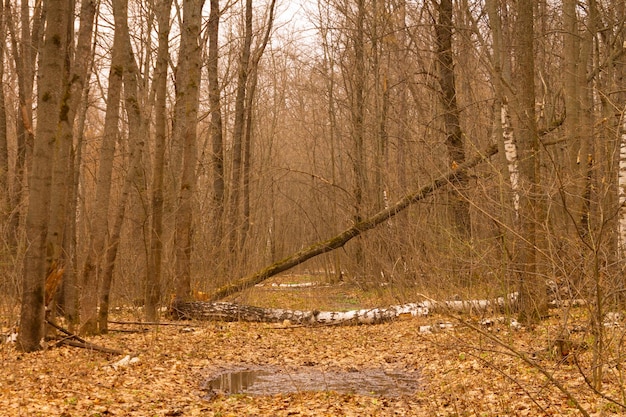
{"points": [[225, 311], [621, 181], [234, 312], [510, 151]]}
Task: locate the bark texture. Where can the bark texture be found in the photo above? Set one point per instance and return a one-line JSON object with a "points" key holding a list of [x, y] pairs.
{"points": [[187, 94], [51, 66]]}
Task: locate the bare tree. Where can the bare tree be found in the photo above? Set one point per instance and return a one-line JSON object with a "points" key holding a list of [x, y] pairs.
{"points": [[357, 109], [451, 115], [533, 297], [24, 50], [62, 205], [154, 270], [91, 272], [185, 132], [51, 69], [216, 130], [247, 143], [4, 151], [136, 145], [235, 197]]}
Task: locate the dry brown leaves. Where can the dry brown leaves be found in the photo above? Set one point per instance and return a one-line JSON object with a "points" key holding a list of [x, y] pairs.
{"points": [[463, 373]]}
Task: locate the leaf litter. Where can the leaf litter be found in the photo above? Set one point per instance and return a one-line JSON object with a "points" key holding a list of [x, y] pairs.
{"points": [[453, 371]]}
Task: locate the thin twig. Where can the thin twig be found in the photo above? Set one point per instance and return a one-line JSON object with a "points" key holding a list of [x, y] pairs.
{"points": [[148, 323]]}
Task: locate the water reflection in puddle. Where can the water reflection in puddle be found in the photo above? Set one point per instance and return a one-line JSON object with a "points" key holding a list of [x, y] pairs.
{"points": [[272, 381]]}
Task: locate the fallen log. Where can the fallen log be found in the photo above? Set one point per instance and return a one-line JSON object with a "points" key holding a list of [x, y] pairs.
{"points": [[357, 229], [472, 306], [225, 311]]}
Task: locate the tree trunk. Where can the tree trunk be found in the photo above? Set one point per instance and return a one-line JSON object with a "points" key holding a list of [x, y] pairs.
{"points": [[62, 175], [25, 52], [187, 87], [357, 97], [155, 258], [223, 311], [533, 302], [4, 150], [451, 116], [234, 223], [136, 143], [51, 68], [69, 286], [577, 50], [216, 129], [247, 143], [91, 272]]}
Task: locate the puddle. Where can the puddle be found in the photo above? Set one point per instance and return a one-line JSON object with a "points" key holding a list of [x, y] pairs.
{"points": [[271, 381]]}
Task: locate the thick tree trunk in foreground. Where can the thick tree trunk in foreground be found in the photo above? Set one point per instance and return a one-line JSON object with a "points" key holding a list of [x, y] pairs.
{"points": [[51, 66], [348, 234]]}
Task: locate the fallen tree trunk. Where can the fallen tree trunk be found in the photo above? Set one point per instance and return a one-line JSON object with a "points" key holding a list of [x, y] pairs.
{"points": [[352, 232], [223, 311]]}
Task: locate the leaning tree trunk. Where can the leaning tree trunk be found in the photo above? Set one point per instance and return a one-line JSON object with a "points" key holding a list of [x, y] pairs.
{"points": [[354, 231]]}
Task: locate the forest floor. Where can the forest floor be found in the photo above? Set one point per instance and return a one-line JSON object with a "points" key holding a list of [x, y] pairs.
{"points": [[470, 369]]}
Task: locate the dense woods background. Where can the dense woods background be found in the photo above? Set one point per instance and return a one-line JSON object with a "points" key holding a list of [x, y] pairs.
{"points": [[152, 149]]}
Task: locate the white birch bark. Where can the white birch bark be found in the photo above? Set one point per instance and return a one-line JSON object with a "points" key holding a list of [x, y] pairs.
{"points": [[621, 181], [226, 311], [510, 152]]}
